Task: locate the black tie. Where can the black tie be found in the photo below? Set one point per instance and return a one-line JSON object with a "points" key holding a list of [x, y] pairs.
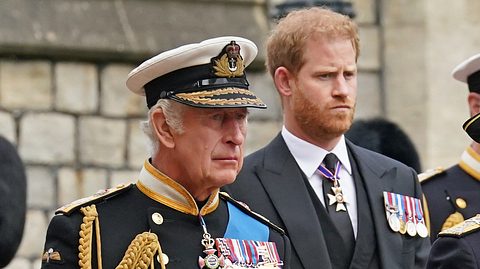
{"points": [[339, 218]]}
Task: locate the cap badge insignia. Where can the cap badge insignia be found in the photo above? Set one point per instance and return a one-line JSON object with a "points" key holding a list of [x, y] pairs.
{"points": [[229, 63]]}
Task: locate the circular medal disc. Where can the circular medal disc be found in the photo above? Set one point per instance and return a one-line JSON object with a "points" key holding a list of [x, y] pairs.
{"points": [[411, 229], [403, 227], [339, 197], [422, 230], [394, 222], [211, 261]]}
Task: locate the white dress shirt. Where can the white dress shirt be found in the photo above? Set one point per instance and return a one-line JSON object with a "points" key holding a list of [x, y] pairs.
{"points": [[309, 157]]}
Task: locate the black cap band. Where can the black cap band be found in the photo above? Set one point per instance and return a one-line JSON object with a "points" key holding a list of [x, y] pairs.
{"points": [[474, 82], [188, 79]]}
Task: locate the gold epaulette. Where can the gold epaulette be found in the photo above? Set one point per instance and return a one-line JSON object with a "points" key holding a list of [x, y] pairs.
{"points": [[468, 226], [100, 195], [430, 173], [244, 207]]}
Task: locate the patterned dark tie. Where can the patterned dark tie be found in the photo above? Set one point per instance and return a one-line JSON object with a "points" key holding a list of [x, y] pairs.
{"points": [[339, 218]]}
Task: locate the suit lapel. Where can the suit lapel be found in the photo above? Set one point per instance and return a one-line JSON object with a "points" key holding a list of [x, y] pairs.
{"points": [[365, 247], [282, 179], [389, 243]]}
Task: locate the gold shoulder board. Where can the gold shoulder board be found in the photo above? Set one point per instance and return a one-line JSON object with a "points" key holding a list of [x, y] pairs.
{"points": [[468, 226], [423, 177], [101, 194], [244, 207]]}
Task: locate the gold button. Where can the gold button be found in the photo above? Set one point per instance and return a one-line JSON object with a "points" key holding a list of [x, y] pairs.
{"points": [[157, 218], [164, 259], [461, 203]]}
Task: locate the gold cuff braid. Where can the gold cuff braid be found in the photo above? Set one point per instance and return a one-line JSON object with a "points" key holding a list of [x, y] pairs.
{"points": [[141, 251], [86, 236]]}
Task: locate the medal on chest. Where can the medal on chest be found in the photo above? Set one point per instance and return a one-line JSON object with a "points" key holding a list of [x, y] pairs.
{"points": [[421, 227], [211, 260], [237, 254], [336, 197], [405, 214]]}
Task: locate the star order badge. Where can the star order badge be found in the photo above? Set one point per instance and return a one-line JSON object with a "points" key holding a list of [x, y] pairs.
{"points": [[337, 198], [211, 260]]}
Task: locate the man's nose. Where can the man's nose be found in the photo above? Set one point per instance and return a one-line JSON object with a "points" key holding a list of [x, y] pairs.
{"points": [[236, 132], [341, 87]]}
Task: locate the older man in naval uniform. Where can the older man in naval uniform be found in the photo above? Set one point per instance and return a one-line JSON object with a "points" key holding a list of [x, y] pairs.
{"points": [[174, 216]]}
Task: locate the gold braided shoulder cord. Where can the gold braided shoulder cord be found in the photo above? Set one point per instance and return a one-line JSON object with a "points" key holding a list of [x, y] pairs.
{"points": [[452, 220], [141, 251], [86, 237]]}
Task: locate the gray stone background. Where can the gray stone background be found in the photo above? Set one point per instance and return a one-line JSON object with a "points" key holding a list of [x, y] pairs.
{"points": [[64, 103]]}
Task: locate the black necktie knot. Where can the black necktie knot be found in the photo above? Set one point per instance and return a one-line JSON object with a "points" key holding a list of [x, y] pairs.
{"points": [[330, 161]]}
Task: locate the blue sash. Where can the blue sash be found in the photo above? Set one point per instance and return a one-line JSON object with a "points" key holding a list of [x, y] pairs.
{"points": [[244, 227]]}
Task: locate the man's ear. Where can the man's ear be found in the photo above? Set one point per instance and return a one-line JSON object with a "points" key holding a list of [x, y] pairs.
{"points": [[283, 80], [474, 103], [161, 129]]}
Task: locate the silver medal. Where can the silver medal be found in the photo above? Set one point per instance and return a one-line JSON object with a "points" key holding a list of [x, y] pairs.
{"points": [[411, 229], [394, 222], [422, 230]]}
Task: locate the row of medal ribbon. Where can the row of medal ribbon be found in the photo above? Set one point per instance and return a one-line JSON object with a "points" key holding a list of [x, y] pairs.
{"points": [[240, 254], [405, 214]]}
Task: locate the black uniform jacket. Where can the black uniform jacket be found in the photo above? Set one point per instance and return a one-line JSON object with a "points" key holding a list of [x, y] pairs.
{"points": [[457, 247], [271, 183], [453, 195], [154, 217]]}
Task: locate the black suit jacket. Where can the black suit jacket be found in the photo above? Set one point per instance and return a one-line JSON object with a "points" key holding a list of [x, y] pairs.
{"points": [[271, 184]]}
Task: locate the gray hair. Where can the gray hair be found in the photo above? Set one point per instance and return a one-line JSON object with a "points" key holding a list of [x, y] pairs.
{"points": [[173, 112]]}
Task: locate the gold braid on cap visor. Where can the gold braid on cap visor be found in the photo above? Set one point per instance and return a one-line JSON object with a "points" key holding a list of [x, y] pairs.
{"points": [[204, 97]]}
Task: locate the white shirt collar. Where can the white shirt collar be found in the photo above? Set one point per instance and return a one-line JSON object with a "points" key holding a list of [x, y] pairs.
{"points": [[309, 156], [470, 162]]}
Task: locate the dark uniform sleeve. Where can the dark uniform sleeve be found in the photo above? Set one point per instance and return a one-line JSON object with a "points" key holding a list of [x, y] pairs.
{"points": [[451, 253], [61, 245]]}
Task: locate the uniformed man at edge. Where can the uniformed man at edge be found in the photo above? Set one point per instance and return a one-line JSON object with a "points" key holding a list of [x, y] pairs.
{"points": [[452, 194], [458, 247], [174, 216], [13, 201]]}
